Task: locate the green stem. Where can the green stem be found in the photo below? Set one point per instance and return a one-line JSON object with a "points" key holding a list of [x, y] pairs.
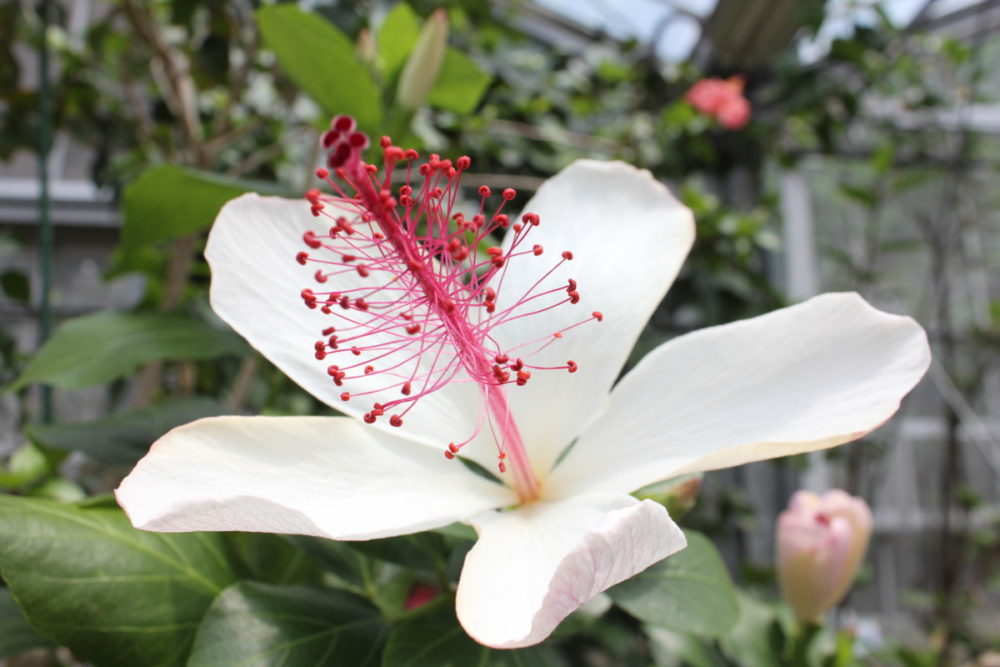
{"points": [[804, 635]]}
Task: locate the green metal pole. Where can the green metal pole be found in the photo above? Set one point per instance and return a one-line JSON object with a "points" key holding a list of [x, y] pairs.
{"points": [[45, 234]]}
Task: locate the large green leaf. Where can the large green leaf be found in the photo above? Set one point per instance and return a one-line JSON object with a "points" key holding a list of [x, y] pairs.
{"points": [[15, 633], [396, 37], [688, 592], [260, 624], [124, 438], [98, 348], [113, 594], [167, 202], [432, 637], [320, 60], [461, 83]]}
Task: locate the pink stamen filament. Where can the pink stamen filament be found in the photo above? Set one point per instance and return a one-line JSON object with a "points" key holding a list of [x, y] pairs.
{"points": [[432, 316]]}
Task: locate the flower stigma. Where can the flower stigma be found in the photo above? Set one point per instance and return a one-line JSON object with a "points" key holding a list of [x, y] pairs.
{"points": [[413, 288]]}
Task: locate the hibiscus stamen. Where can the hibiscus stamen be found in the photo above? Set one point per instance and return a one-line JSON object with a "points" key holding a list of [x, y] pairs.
{"points": [[413, 286]]}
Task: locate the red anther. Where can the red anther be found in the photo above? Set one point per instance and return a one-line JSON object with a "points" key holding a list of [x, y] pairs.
{"points": [[406, 201], [371, 169], [342, 123], [571, 366], [502, 467], [537, 249], [463, 162], [448, 305], [436, 193], [320, 276], [425, 169], [329, 330], [448, 454], [571, 285], [363, 271], [406, 389], [574, 297], [355, 351], [316, 209], [332, 371], [598, 315], [313, 195], [494, 251], [518, 226], [396, 421], [309, 238], [385, 141], [484, 191], [393, 154], [557, 335], [332, 342], [413, 328], [360, 304], [406, 190], [453, 448], [478, 220], [531, 219], [509, 193], [326, 310], [345, 302], [501, 358], [369, 370], [567, 254], [307, 294], [502, 456], [322, 173], [498, 262], [503, 220], [345, 395], [517, 365], [347, 259], [329, 138], [369, 418], [320, 355], [412, 154], [302, 257], [406, 316], [340, 172], [523, 377]]}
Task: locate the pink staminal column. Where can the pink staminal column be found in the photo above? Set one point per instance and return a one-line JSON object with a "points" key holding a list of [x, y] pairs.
{"points": [[430, 281]]}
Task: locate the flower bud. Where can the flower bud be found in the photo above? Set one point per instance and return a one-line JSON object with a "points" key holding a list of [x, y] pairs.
{"points": [[821, 543], [723, 99], [424, 64]]}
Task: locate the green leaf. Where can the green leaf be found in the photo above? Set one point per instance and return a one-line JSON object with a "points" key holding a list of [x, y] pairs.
{"points": [[14, 284], [425, 551], [124, 438], [749, 642], [396, 37], [273, 559], [113, 594], [15, 633], [461, 83], [432, 637], [261, 624], [688, 592], [321, 61], [167, 202], [98, 348], [863, 195]]}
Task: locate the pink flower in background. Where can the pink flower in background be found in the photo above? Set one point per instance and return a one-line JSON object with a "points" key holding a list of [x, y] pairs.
{"points": [[391, 304], [723, 99], [821, 543]]}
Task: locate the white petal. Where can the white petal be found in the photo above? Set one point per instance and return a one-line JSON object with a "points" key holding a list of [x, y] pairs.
{"points": [[325, 476], [533, 566], [628, 236], [811, 376], [256, 286]]}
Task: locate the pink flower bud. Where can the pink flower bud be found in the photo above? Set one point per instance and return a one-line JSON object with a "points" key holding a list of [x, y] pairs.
{"points": [[424, 64], [821, 543], [420, 594]]}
